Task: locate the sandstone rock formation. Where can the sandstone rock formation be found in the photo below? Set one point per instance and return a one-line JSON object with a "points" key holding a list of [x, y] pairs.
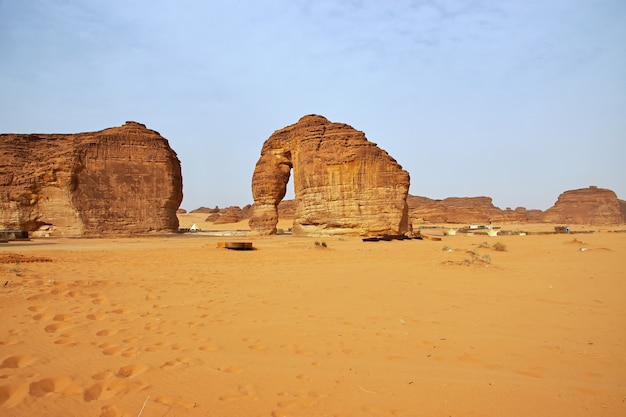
{"points": [[343, 183], [591, 205], [232, 214], [466, 210], [121, 180], [462, 210]]}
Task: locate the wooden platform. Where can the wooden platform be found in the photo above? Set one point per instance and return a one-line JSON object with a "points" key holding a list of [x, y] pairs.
{"points": [[236, 245]]}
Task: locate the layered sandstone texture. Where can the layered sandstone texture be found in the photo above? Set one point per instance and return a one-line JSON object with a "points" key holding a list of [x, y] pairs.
{"points": [[466, 210], [591, 205], [343, 183], [122, 180]]}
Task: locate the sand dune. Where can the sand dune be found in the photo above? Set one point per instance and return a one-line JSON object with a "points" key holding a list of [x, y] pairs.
{"points": [[174, 326]]}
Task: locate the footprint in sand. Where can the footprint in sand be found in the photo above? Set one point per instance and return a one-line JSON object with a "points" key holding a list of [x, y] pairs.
{"points": [[107, 332], [42, 316], [107, 389], [111, 350], [231, 369], [172, 401], [50, 385], [110, 411], [120, 311], [130, 352], [152, 297], [65, 341], [62, 317], [12, 394], [18, 361], [180, 361], [11, 341], [53, 328], [255, 344], [96, 316], [133, 339], [244, 392], [177, 347], [130, 371], [296, 400], [103, 375]]}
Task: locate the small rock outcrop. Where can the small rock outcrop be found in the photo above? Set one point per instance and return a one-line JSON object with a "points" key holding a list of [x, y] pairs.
{"points": [[232, 214], [591, 205], [343, 183], [122, 180]]}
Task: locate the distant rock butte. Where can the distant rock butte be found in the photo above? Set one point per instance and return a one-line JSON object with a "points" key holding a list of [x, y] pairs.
{"points": [[232, 214], [591, 205], [343, 183], [122, 180]]}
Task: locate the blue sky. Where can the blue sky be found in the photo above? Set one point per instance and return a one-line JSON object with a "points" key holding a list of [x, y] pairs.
{"points": [[518, 100]]}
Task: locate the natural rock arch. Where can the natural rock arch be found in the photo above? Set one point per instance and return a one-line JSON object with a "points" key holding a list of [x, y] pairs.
{"points": [[343, 183]]}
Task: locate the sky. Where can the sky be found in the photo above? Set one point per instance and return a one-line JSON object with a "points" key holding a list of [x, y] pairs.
{"points": [[518, 100]]}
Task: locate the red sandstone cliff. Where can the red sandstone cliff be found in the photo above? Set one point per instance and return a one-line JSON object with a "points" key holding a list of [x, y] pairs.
{"points": [[343, 183], [591, 205], [121, 180]]}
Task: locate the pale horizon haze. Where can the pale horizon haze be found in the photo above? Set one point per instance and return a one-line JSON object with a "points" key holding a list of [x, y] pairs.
{"points": [[515, 100]]}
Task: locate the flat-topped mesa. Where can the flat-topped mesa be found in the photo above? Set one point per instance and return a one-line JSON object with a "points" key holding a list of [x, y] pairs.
{"points": [[122, 180], [591, 205], [343, 183]]}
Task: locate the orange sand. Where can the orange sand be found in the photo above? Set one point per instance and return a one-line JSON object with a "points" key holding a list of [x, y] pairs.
{"points": [[174, 326]]}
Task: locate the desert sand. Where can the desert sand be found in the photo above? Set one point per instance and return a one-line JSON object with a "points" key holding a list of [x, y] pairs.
{"points": [[175, 326]]}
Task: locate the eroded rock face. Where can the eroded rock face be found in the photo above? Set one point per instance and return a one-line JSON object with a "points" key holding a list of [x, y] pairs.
{"points": [[231, 214], [454, 210], [591, 205], [343, 183], [122, 180]]}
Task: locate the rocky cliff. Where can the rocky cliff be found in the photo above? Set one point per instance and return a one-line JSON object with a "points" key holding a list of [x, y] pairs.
{"points": [[121, 180], [591, 205], [453, 210], [343, 183], [466, 210]]}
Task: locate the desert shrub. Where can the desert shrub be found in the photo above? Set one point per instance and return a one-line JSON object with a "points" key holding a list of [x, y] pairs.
{"points": [[483, 245], [499, 246], [324, 245]]}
